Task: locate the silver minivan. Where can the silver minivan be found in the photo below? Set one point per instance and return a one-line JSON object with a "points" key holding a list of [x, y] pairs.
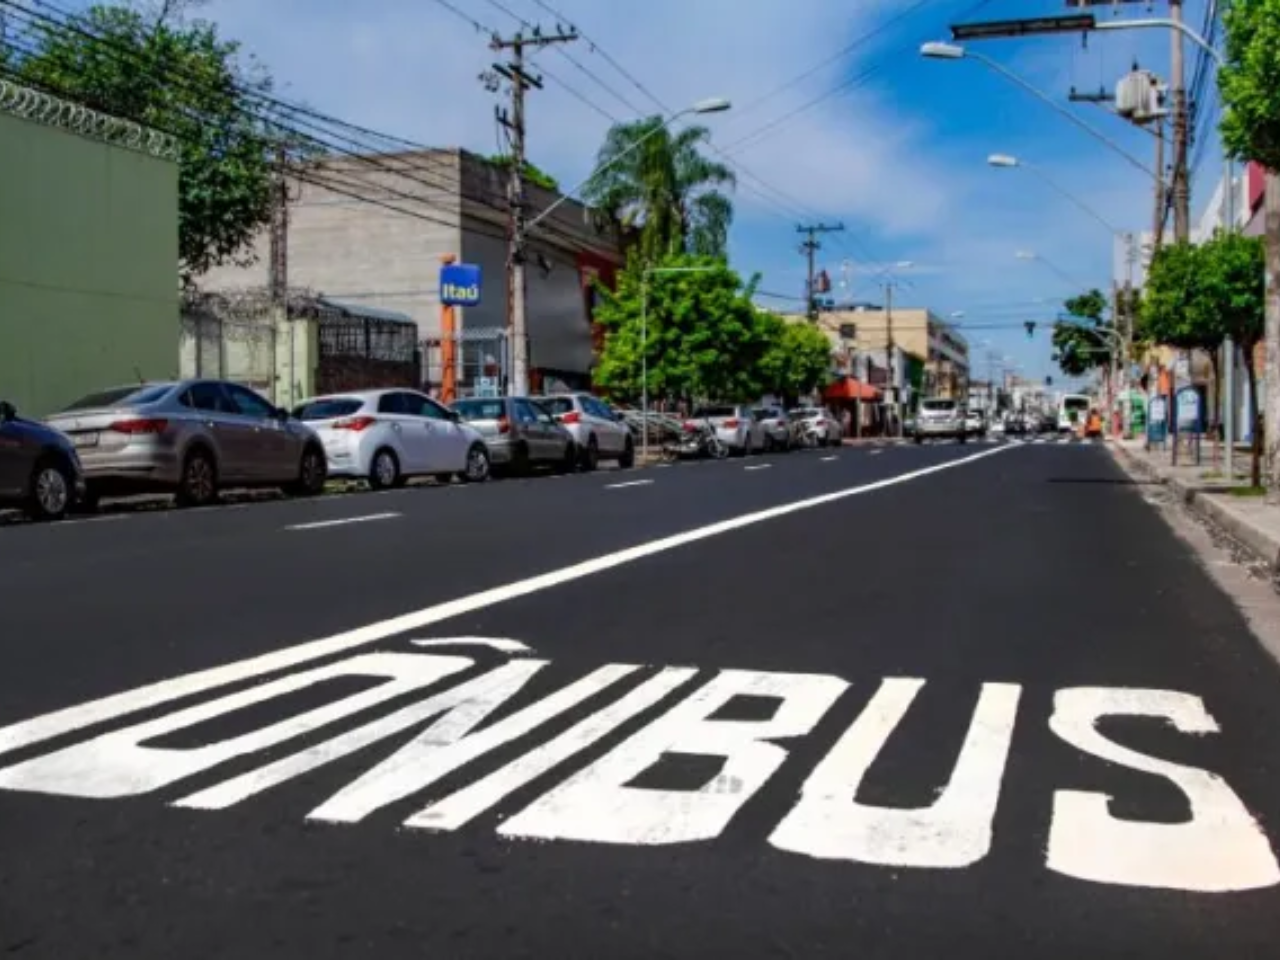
{"points": [[190, 438]]}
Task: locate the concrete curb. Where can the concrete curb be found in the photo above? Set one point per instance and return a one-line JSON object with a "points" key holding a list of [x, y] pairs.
{"points": [[1213, 505]]}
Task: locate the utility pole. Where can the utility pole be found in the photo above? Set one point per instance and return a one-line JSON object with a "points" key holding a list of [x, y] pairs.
{"points": [[521, 80], [278, 272], [889, 355], [810, 247], [1181, 131]]}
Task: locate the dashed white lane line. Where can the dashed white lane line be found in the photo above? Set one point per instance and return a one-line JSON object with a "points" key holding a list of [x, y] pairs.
{"points": [[629, 483], [829, 459], [322, 524], [876, 453], [759, 466]]}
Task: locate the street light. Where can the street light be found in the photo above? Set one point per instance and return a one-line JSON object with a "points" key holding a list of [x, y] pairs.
{"points": [[709, 105], [644, 345], [1067, 278], [953, 51], [1005, 161]]}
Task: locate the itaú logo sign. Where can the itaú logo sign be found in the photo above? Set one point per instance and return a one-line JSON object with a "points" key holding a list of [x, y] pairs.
{"points": [[417, 724]]}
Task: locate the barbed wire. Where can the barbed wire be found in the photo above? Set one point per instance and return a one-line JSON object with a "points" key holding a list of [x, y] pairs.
{"points": [[36, 105]]}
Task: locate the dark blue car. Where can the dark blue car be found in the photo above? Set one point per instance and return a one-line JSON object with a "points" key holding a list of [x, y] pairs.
{"points": [[39, 470]]}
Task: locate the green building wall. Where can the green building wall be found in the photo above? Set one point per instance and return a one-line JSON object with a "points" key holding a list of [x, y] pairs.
{"points": [[88, 265]]}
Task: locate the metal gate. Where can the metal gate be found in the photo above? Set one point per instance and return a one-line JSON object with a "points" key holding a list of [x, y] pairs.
{"points": [[482, 361], [360, 351]]}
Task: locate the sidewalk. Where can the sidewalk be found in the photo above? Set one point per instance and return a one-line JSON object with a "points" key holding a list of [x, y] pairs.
{"points": [[1250, 520]]}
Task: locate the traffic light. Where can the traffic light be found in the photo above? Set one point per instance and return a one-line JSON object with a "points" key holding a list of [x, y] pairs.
{"points": [[1031, 328], [1048, 381]]}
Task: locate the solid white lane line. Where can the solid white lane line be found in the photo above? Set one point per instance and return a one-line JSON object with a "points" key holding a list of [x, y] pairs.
{"points": [[629, 483], [38, 729], [759, 466], [322, 524]]}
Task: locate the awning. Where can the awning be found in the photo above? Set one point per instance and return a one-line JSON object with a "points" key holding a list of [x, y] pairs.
{"points": [[847, 388]]}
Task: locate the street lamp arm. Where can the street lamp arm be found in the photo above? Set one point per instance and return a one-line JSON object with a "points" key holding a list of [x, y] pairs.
{"points": [[568, 195], [1115, 335], [1067, 114], [1165, 23]]}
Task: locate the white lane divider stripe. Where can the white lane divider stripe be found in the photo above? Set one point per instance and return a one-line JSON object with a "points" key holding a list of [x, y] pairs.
{"points": [[59, 722], [828, 459], [629, 483], [759, 466], [322, 524]]}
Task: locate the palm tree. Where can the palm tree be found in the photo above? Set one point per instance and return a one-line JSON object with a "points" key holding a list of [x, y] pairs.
{"points": [[665, 187]]}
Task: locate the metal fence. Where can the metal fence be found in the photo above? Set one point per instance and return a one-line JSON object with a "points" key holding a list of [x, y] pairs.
{"points": [[358, 351], [229, 337], [482, 361]]}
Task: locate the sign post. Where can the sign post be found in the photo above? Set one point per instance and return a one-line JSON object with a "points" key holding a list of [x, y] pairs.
{"points": [[460, 285]]}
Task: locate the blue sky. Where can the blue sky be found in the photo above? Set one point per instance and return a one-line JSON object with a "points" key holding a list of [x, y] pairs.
{"points": [[897, 155]]}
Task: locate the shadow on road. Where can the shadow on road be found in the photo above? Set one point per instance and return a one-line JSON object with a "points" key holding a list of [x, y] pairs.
{"points": [[1106, 481]]}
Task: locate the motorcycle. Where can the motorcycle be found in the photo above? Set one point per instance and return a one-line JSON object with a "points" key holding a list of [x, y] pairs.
{"points": [[697, 440]]}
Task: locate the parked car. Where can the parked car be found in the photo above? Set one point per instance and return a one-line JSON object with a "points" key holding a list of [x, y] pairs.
{"points": [[39, 470], [776, 427], [599, 433], [735, 426], [975, 423], [520, 433], [192, 438], [940, 417], [388, 436], [823, 423]]}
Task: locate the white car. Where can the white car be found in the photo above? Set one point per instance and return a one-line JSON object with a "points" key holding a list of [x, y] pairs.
{"points": [[735, 426], [599, 433], [826, 427], [388, 436]]}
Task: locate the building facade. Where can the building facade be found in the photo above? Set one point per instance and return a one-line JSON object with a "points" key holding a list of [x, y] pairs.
{"points": [[88, 251], [374, 230]]}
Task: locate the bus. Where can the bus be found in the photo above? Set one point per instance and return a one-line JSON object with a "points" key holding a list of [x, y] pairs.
{"points": [[1073, 408]]}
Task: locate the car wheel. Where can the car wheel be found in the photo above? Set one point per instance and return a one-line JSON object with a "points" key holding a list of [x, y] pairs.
{"points": [[569, 461], [477, 467], [312, 473], [198, 485], [384, 470], [628, 458], [50, 494], [591, 455]]}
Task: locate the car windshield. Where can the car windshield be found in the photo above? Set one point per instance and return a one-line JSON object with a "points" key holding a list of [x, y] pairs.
{"points": [[480, 409], [703, 412], [557, 405], [768, 413], [937, 406], [131, 396], [328, 408], [804, 413], [1075, 403]]}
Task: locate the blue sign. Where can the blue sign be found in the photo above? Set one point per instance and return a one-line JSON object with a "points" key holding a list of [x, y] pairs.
{"points": [[460, 285]]}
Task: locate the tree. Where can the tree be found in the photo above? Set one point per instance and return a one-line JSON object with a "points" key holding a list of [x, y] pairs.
{"points": [[182, 78], [700, 332], [1231, 289], [665, 187], [1249, 83], [535, 175], [1081, 347], [797, 358], [1176, 311]]}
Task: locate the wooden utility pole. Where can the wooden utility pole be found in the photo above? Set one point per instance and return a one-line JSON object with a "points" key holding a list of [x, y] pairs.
{"points": [[521, 80], [278, 279], [1181, 131], [809, 248]]}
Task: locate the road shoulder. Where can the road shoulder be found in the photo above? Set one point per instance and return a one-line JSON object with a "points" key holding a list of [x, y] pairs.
{"points": [[1237, 552]]}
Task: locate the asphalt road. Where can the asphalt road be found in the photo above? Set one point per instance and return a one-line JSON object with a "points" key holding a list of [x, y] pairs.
{"points": [[907, 702]]}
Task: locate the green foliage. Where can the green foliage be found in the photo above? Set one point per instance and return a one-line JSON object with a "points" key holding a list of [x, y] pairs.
{"points": [[1175, 309], [1249, 81], [664, 186], [182, 78], [1084, 343], [702, 336], [535, 175], [1232, 286]]}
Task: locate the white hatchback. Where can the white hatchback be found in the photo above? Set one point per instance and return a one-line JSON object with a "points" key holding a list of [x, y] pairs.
{"points": [[388, 436]]}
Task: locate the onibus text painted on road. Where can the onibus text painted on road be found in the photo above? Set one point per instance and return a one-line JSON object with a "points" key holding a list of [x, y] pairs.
{"points": [[1219, 847]]}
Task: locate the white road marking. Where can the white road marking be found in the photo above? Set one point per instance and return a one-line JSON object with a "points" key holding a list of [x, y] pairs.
{"points": [[759, 466], [27, 732], [493, 643], [629, 483], [1221, 848], [597, 805], [322, 524], [954, 831], [876, 453], [828, 459]]}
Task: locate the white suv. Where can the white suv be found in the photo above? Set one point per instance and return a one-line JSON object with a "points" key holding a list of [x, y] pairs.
{"points": [[599, 433], [941, 417]]}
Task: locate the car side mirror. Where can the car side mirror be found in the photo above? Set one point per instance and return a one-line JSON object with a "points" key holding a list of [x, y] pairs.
{"points": [[7, 411], [454, 416], [282, 414]]}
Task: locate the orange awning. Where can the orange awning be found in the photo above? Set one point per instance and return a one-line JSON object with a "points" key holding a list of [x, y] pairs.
{"points": [[847, 388]]}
